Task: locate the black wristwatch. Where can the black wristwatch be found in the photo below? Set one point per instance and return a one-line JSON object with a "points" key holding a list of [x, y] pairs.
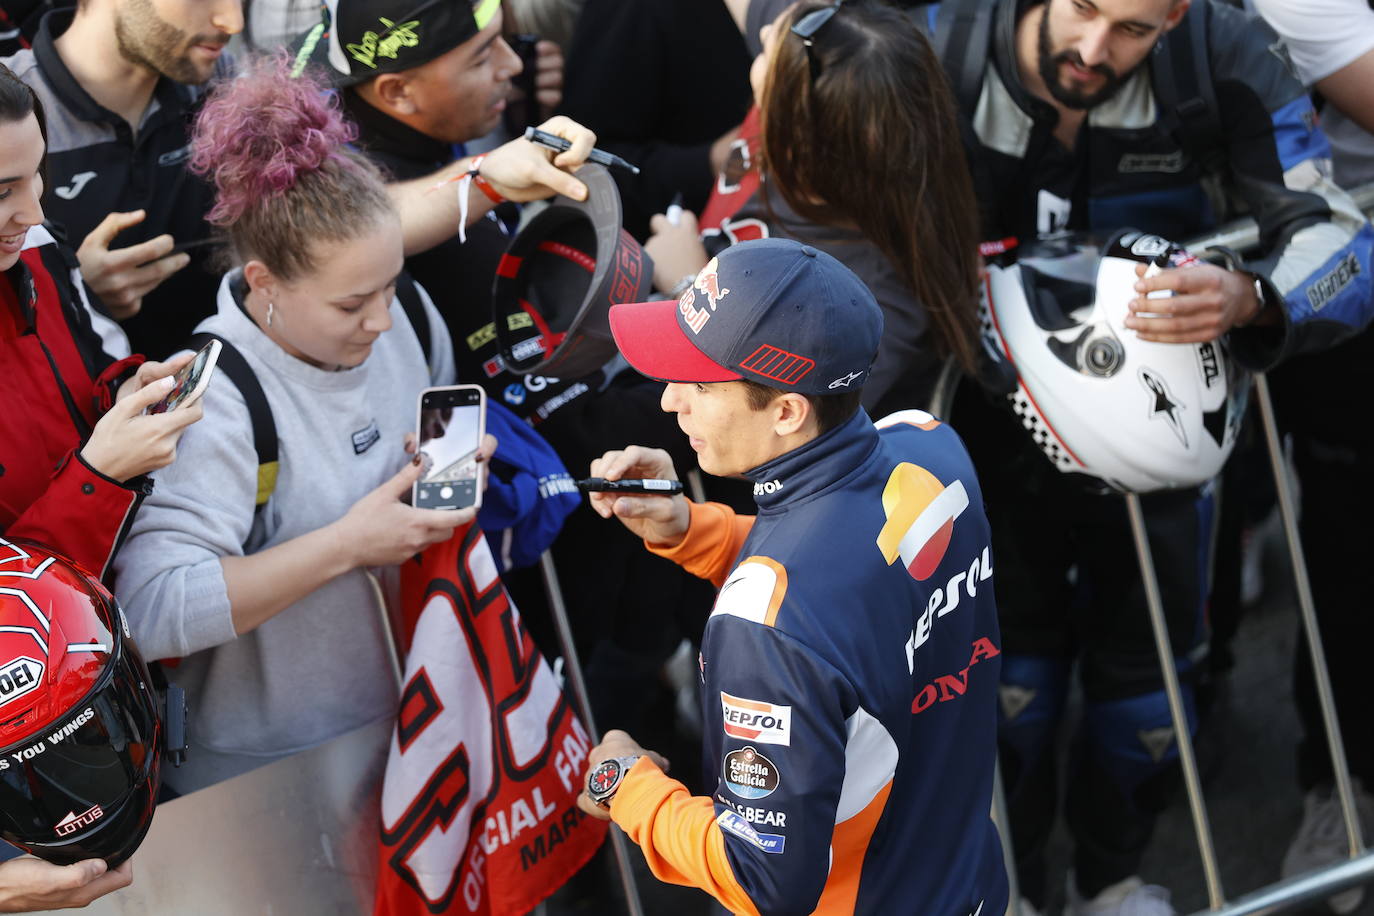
{"points": [[603, 781]]}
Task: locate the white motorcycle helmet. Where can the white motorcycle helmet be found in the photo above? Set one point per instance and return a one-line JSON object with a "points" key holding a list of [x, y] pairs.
{"points": [[1098, 400]]}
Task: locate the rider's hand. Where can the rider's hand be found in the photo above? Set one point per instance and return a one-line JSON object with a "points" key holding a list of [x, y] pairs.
{"points": [[660, 520]]}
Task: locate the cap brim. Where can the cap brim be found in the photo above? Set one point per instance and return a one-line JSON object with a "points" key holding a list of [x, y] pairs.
{"points": [[649, 337]]}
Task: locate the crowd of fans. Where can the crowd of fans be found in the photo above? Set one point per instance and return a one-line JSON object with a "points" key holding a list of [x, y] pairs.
{"points": [[330, 191]]}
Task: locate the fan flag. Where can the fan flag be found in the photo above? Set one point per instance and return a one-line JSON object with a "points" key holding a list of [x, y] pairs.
{"points": [[479, 803]]}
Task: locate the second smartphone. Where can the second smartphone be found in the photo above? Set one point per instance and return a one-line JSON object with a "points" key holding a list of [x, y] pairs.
{"points": [[449, 430]]}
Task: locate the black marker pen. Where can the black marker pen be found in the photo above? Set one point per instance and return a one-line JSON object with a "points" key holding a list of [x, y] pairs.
{"points": [[654, 486], [558, 144]]}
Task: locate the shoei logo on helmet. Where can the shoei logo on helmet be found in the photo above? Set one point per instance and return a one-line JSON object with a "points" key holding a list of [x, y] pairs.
{"points": [[18, 677], [74, 822], [920, 518]]}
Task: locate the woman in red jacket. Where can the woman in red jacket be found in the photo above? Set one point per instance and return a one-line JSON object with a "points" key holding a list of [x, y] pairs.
{"points": [[74, 442]]}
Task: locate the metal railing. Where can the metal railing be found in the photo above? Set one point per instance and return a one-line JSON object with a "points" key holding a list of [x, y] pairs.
{"points": [[1243, 236]]}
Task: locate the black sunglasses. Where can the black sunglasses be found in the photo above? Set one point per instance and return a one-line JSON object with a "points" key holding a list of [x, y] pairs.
{"points": [[806, 28]]}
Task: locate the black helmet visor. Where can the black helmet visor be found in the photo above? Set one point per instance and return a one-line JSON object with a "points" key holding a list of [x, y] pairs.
{"points": [[65, 789]]}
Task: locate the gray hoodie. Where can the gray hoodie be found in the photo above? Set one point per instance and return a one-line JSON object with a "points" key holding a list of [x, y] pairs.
{"points": [[320, 667]]}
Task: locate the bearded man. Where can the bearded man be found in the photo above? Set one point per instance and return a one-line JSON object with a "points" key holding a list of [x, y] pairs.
{"points": [[119, 81]]}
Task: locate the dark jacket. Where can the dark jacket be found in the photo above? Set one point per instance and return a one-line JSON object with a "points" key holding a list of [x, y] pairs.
{"points": [[659, 81]]}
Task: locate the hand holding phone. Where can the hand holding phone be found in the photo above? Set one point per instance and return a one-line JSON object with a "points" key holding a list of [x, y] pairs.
{"points": [[191, 380], [449, 428]]}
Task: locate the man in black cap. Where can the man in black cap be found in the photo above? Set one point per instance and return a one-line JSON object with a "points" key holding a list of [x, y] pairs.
{"points": [[437, 77], [849, 699]]}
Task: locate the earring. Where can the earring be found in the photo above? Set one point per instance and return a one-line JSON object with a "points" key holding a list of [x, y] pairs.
{"points": [[270, 308]]}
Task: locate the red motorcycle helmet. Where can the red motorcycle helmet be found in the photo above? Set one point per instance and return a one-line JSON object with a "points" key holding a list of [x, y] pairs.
{"points": [[82, 740]]}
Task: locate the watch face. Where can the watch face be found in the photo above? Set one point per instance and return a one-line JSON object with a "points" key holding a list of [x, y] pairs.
{"points": [[603, 778]]}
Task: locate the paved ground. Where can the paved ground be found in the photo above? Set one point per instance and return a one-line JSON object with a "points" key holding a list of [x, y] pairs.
{"points": [[1248, 768]]}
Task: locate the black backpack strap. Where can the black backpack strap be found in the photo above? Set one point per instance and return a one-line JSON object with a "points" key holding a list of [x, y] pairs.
{"points": [[963, 29], [1187, 100], [232, 363], [408, 294]]}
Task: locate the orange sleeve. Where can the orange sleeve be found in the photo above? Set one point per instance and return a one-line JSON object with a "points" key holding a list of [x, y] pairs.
{"points": [[714, 537], [678, 834]]}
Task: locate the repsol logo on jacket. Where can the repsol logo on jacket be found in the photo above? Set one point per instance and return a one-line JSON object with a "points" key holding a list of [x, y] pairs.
{"points": [[755, 720]]}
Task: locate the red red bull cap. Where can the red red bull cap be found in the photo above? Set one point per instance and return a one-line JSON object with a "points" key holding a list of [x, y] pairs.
{"points": [[771, 311]]}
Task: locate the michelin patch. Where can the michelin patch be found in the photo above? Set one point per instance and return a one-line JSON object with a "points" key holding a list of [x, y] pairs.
{"points": [[770, 843]]}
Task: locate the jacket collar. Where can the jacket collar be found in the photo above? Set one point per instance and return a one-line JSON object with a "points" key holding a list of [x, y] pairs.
{"points": [[814, 467], [1007, 14]]}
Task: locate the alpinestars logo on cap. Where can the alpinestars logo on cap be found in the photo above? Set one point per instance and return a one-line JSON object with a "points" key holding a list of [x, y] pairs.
{"points": [[708, 284], [920, 518]]}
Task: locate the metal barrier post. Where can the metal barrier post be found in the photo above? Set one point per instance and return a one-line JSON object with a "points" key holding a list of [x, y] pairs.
{"points": [[1180, 715], [1307, 611], [572, 666], [1002, 818]]}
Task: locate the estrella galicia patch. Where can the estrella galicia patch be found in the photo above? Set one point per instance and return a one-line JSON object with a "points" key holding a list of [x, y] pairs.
{"points": [[749, 774]]}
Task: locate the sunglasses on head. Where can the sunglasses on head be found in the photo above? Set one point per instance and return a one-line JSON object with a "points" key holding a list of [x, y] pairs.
{"points": [[806, 28]]}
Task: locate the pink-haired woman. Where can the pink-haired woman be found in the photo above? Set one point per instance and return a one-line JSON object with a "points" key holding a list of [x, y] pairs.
{"points": [[272, 612]]}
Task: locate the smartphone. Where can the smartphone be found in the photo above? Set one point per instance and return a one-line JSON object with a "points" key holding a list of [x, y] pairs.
{"points": [[190, 380], [179, 247], [449, 431], [524, 111]]}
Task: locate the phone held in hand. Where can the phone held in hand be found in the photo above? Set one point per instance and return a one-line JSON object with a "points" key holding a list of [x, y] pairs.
{"points": [[449, 430], [190, 380], [523, 111]]}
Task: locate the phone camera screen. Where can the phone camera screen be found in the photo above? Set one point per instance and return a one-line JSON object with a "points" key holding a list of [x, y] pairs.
{"points": [[449, 438]]}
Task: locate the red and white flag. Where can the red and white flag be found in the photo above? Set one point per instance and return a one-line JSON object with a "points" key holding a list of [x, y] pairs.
{"points": [[479, 804]]}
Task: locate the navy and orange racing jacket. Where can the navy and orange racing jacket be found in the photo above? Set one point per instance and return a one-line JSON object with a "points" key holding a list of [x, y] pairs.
{"points": [[849, 674]]}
